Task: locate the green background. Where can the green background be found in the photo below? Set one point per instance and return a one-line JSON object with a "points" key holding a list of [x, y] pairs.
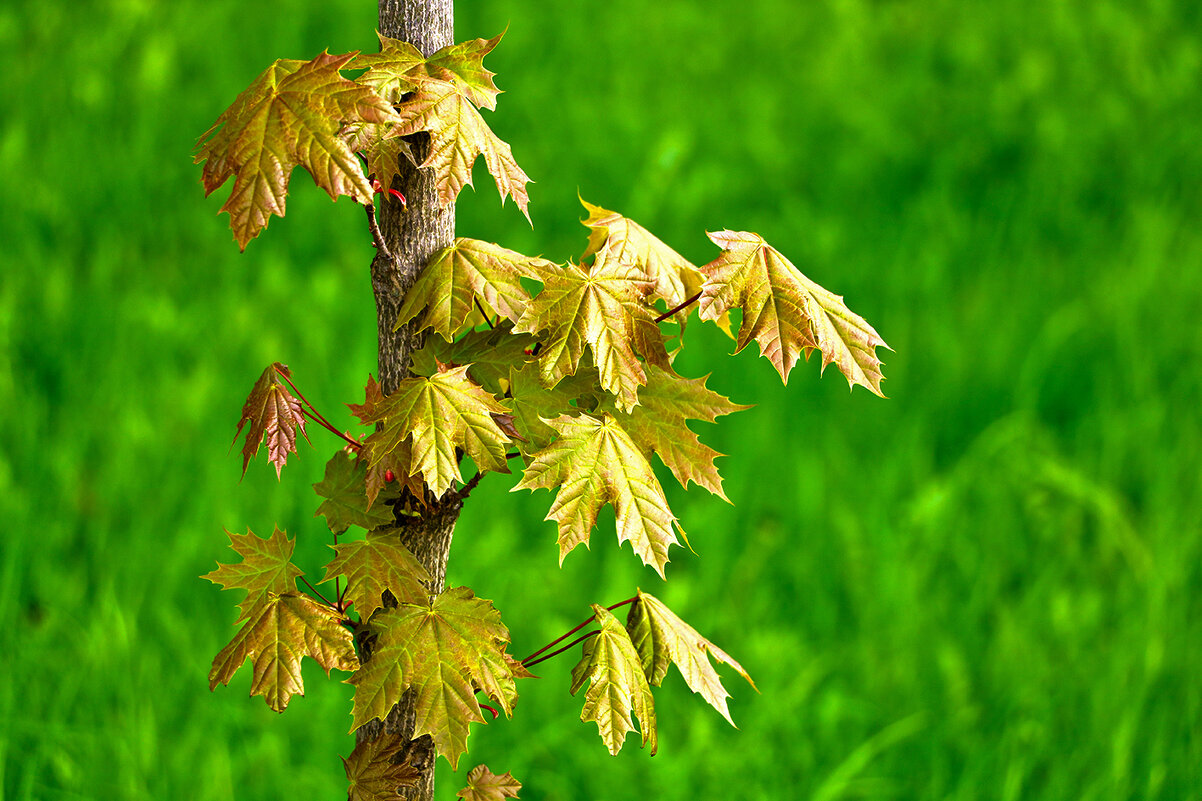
{"points": [[985, 587]]}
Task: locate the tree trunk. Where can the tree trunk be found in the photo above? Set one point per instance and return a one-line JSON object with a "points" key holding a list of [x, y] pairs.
{"points": [[413, 234]]}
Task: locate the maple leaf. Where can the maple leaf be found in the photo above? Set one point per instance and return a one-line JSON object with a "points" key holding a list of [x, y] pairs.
{"points": [[617, 684], [490, 355], [379, 563], [400, 68], [467, 274], [785, 312], [398, 461], [274, 415], [373, 396], [603, 307], [594, 462], [661, 638], [533, 404], [265, 569], [344, 490], [372, 774], [444, 650], [382, 147], [280, 630], [484, 785], [291, 114], [658, 425], [672, 277], [463, 64], [458, 136], [436, 415]]}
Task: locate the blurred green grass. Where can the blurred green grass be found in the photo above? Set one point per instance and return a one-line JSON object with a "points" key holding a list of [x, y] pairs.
{"points": [[986, 587]]}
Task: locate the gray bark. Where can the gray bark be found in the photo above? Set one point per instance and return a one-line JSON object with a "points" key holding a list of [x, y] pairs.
{"points": [[413, 234]]}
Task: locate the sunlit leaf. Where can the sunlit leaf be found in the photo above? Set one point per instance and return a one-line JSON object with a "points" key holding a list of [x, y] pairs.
{"points": [[617, 684], [435, 416], [373, 565], [469, 274], [291, 114], [594, 462], [785, 312], [445, 651], [280, 630], [662, 638]]}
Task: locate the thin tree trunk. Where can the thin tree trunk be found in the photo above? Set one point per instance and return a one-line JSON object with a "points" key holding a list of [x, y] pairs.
{"points": [[413, 234]]}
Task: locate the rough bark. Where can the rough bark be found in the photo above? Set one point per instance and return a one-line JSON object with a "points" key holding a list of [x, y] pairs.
{"points": [[412, 234]]}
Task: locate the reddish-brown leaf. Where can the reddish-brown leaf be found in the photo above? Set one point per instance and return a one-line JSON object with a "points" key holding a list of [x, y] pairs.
{"points": [[274, 415], [372, 774], [484, 785]]}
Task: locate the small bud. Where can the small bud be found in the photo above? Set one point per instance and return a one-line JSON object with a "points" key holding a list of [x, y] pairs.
{"points": [[389, 476]]}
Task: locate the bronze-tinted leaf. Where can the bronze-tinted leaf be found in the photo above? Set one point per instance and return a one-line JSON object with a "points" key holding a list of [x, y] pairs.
{"points": [[484, 785], [274, 415], [594, 462], [344, 493], [785, 312], [371, 773], [280, 630], [375, 564], [291, 114]]}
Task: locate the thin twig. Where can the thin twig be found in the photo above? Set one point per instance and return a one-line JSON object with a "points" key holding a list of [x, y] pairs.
{"points": [[495, 713], [559, 651], [471, 484], [558, 640], [682, 306], [319, 595], [377, 236], [354, 443]]}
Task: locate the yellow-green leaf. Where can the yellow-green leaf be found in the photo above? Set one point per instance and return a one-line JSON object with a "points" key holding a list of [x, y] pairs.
{"points": [[375, 564], [658, 425], [785, 312], [265, 569], [594, 462], [291, 114], [467, 274], [605, 309], [279, 632], [617, 684], [436, 415], [672, 277], [662, 638], [444, 650]]}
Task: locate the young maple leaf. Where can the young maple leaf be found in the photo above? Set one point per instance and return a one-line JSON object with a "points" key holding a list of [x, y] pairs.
{"points": [[291, 114], [617, 686], [372, 774], [595, 462], [605, 308], [344, 494], [377, 564], [437, 415], [533, 404], [661, 638], [265, 569], [444, 650], [373, 396], [467, 274], [658, 425], [391, 472], [400, 68], [785, 312], [484, 785], [382, 147], [458, 136], [274, 415], [280, 631], [672, 277]]}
